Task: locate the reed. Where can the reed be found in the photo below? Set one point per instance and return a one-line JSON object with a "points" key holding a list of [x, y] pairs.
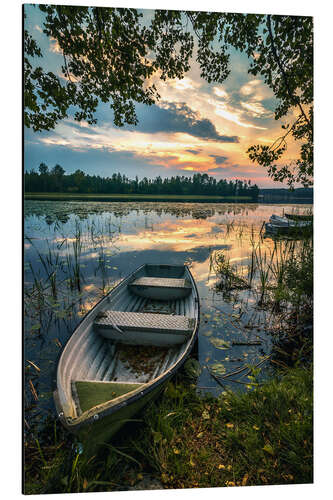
{"points": [[102, 267], [263, 263], [57, 271], [251, 270], [227, 274], [72, 260], [77, 247], [229, 227], [37, 289], [241, 231]]}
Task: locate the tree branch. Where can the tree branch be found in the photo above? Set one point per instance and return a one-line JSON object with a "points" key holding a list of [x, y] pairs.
{"points": [[68, 73], [284, 76], [273, 147], [191, 18]]}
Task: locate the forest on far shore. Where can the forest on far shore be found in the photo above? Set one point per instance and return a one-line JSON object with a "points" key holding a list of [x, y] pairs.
{"points": [[57, 181]]}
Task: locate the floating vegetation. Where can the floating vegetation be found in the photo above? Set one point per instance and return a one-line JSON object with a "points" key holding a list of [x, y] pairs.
{"points": [[248, 342], [219, 343], [217, 368]]}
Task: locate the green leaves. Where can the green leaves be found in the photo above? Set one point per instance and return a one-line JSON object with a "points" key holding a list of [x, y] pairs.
{"points": [[268, 449], [105, 58], [192, 368]]}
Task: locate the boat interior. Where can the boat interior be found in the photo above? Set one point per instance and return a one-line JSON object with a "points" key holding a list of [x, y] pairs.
{"points": [[135, 335]]}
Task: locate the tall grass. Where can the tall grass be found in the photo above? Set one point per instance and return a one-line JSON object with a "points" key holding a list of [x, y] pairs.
{"points": [[279, 278], [186, 440], [278, 273], [263, 264], [73, 260], [61, 262]]}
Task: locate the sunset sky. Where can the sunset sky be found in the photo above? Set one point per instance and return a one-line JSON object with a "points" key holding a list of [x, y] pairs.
{"points": [[194, 127]]}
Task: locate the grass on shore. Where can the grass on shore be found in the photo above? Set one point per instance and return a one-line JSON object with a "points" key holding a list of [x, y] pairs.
{"points": [[121, 196], [262, 437]]}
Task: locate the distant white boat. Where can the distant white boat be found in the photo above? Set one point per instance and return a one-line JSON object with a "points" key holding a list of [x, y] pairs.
{"points": [[277, 220]]}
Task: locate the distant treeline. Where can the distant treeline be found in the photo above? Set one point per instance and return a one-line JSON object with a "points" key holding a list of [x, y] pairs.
{"points": [[55, 180], [282, 194]]}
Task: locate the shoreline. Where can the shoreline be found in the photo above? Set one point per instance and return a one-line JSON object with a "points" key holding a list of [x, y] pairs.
{"points": [[158, 198]]}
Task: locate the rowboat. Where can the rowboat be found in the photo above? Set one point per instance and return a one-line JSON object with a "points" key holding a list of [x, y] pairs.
{"points": [[287, 230], [125, 349], [300, 217], [277, 220]]}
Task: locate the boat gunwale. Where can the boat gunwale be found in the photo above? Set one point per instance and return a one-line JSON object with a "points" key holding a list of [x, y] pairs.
{"points": [[108, 408], [300, 217]]}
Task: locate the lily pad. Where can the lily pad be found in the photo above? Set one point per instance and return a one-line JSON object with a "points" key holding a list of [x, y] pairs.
{"points": [[218, 368], [219, 343]]}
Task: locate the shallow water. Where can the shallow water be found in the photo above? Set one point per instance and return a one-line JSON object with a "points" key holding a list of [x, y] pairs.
{"points": [[77, 251]]}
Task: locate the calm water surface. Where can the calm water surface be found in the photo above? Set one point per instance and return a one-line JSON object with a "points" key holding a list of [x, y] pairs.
{"points": [[77, 251]]}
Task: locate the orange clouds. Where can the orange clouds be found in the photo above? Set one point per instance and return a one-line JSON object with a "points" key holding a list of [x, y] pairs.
{"points": [[189, 129]]}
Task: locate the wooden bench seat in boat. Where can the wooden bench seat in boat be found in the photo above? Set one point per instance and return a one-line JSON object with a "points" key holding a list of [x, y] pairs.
{"points": [[144, 328], [90, 393], [161, 288]]}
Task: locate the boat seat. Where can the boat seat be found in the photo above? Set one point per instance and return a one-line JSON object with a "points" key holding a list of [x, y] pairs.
{"points": [[161, 288], [145, 322], [90, 393], [144, 328]]}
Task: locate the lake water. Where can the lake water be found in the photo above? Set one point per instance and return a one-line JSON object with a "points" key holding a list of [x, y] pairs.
{"points": [[74, 252]]}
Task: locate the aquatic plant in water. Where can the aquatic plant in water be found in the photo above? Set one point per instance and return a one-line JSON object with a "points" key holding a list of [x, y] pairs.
{"points": [[226, 273]]}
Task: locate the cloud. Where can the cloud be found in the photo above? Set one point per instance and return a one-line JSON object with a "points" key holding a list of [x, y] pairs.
{"points": [[83, 128], [256, 109], [219, 160], [222, 173], [105, 162], [99, 161], [234, 115], [184, 84], [220, 92], [54, 46], [248, 104], [216, 170], [250, 87], [193, 151], [169, 117]]}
